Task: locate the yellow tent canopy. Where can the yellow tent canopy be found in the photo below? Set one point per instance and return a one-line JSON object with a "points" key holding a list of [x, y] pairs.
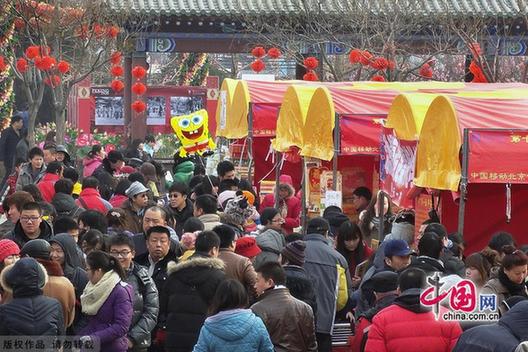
{"points": [[224, 111]]}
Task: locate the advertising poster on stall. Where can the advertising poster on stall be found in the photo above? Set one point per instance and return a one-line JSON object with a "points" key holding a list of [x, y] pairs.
{"points": [[327, 192], [156, 111], [313, 186], [398, 160]]}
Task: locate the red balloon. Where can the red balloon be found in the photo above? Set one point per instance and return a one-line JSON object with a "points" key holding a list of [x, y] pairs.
{"points": [[139, 106]]}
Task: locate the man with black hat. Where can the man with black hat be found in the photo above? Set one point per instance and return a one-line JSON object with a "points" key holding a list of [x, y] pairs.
{"points": [[105, 172], [58, 286], [385, 287], [329, 272]]}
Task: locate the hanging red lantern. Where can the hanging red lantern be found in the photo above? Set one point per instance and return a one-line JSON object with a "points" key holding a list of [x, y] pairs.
{"points": [[426, 71], [311, 63], [258, 52], [258, 65], [3, 65], [138, 106], [378, 78], [310, 76], [52, 81], [138, 72], [139, 88], [113, 31], [379, 63], [45, 63], [32, 52], [366, 57], [117, 85], [117, 71], [19, 23], [355, 56], [116, 57], [22, 65], [274, 53], [98, 30], [63, 67]]}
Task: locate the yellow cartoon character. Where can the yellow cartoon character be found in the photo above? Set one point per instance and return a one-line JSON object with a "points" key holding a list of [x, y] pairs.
{"points": [[193, 133]]}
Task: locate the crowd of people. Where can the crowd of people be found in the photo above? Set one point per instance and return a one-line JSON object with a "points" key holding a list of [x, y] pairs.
{"points": [[96, 249]]}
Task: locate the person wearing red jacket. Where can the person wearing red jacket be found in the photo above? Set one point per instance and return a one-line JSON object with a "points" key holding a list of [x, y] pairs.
{"points": [[289, 204], [90, 197], [408, 326], [46, 185]]}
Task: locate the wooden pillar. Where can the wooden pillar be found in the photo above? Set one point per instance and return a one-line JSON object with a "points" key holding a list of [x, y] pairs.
{"points": [[137, 123]]}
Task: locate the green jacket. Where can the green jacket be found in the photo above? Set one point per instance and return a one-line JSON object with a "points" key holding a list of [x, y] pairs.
{"points": [[183, 172]]}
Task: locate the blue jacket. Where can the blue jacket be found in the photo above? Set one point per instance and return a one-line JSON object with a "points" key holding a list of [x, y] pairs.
{"points": [[237, 330]]}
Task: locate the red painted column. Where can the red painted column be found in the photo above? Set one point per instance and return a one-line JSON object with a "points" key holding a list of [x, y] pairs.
{"points": [[138, 121]]}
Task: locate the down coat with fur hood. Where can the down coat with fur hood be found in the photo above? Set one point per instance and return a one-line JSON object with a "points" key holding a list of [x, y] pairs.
{"points": [[185, 299], [30, 313]]}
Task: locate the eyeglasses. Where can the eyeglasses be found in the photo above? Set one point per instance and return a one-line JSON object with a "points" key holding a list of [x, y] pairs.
{"points": [[120, 253], [174, 195], [28, 219]]}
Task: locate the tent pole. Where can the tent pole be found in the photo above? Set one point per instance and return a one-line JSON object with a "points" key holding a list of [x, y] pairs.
{"points": [[303, 197], [463, 183], [250, 142], [277, 177], [336, 151], [381, 208]]}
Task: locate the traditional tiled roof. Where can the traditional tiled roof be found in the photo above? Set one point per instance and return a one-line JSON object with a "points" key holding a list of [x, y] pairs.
{"points": [[484, 8]]}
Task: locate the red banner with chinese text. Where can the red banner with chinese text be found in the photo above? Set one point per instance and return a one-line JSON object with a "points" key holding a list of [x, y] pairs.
{"points": [[398, 159], [265, 119], [360, 134], [498, 156]]}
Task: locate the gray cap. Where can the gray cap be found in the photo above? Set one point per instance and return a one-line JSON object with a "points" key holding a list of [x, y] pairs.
{"points": [[135, 189]]}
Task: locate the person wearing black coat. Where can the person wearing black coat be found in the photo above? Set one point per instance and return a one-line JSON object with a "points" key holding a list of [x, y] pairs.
{"points": [[8, 142], [30, 313], [159, 274], [188, 293], [105, 173]]}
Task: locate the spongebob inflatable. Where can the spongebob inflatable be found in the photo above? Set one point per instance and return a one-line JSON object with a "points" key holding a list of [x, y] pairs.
{"points": [[193, 132]]}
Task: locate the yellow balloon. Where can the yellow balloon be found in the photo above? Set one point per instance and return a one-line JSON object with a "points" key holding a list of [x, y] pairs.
{"points": [[193, 132]]}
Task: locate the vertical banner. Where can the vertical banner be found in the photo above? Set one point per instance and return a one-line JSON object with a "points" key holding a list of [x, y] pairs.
{"points": [[498, 156], [397, 165]]}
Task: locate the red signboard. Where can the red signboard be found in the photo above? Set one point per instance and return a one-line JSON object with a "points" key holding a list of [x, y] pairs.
{"points": [[498, 156], [398, 160], [360, 134], [265, 119]]}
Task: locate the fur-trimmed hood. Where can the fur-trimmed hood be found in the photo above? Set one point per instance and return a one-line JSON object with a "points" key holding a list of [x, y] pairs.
{"points": [[196, 261], [25, 278]]}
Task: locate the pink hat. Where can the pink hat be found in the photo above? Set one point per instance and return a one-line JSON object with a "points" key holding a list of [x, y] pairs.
{"points": [[286, 179], [7, 248]]}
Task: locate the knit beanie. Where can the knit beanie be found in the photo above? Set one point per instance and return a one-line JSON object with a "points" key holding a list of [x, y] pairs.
{"points": [[7, 248], [294, 252]]}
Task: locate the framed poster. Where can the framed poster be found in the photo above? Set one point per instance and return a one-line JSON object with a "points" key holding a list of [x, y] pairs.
{"points": [[109, 111], [156, 111], [185, 105]]}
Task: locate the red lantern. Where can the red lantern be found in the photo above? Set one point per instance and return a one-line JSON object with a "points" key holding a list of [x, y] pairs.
{"points": [[139, 88], [379, 63], [378, 78], [32, 52], [117, 71], [113, 32], [310, 76], [311, 63], [3, 65], [63, 67], [19, 23], [366, 57], [139, 72], [45, 63], [22, 65], [98, 30], [274, 53], [52, 81], [392, 65], [258, 52], [116, 57], [138, 106], [117, 86], [426, 71], [355, 56], [258, 65]]}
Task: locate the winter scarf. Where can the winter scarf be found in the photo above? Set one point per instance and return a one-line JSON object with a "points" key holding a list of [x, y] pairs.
{"points": [[513, 288], [94, 296]]}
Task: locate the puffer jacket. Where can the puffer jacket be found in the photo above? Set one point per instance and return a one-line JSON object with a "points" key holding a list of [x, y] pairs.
{"points": [[20, 238], [47, 186], [25, 178], [277, 309], [107, 182], [505, 336], [30, 313], [90, 164], [91, 199], [408, 326], [65, 205], [145, 305], [271, 242], [237, 330], [185, 299]]}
